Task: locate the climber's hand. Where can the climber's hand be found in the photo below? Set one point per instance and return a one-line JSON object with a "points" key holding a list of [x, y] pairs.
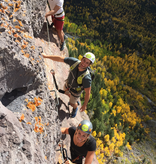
{"points": [[83, 108], [44, 55], [68, 162], [46, 15]]}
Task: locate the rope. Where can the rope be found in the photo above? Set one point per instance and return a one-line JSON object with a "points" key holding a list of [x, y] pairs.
{"points": [[48, 32]]}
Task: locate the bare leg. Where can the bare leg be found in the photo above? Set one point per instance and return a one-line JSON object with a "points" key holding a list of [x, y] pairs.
{"points": [[68, 94], [61, 35], [74, 105]]}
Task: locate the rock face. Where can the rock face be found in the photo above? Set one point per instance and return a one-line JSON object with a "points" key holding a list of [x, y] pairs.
{"points": [[21, 144], [19, 58], [30, 120], [29, 124]]}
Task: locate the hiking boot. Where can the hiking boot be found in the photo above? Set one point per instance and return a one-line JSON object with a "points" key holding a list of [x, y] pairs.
{"points": [[62, 46], [65, 37], [74, 112]]}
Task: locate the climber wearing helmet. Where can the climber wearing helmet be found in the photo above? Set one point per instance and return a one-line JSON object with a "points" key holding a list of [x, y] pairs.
{"points": [[79, 79], [82, 144], [58, 15]]}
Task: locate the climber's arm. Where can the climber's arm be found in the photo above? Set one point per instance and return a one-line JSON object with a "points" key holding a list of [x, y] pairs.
{"points": [[52, 12], [87, 97], [53, 57], [64, 130], [89, 157]]}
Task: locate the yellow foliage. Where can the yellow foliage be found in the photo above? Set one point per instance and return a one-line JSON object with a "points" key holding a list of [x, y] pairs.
{"points": [[106, 138], [80, 57], [94, 133], [99, 134], [110, 104], [128, 146]]}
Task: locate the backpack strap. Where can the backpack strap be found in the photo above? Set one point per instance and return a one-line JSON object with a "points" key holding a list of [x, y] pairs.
{"points": [[74, 65], [80, 78]]}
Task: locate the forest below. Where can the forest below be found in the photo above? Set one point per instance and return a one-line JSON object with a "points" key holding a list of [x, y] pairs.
{"points": [[127, 26], [121, 34]]}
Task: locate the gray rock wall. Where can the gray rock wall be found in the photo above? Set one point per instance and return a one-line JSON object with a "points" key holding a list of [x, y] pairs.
{"points": [[29, 125]]}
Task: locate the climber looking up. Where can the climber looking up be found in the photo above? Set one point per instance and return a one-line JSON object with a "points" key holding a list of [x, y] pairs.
{"points": [[79, 79], [58, 16], [82, 143]]}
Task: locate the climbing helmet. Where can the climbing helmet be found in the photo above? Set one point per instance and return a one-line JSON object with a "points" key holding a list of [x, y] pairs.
{"points": [[85, 126], [90, 56]]}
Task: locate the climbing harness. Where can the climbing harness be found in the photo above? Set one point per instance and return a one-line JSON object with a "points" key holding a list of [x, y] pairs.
{"points": [[80, 78], [59, 13], [64, 153], [60, 90], [55, 14], [59, 19], [68, 87]]}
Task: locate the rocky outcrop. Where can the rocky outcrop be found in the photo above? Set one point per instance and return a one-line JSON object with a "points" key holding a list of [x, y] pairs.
{"points": [[29, 124], [21, 144], [30, 118], [19, 58]]}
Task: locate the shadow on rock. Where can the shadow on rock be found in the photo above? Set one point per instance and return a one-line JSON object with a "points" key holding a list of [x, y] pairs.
{"points": [[44, 34], [62, 108], [9, 97]]}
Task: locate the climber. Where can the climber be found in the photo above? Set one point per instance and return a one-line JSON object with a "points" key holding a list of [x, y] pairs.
{"points": [[82, 144], [58, 15], [79, 79]]}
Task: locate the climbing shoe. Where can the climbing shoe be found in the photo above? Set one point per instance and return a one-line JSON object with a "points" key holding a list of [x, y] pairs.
{"points": [[62, 46], [74, 112], [65, 37]]}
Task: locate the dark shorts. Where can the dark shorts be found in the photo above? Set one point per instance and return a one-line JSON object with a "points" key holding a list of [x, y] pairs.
{"points": [[58, 23], [74, 97]]}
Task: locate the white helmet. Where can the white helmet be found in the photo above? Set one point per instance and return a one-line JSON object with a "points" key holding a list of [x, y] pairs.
{"points": [[90, 56]]}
